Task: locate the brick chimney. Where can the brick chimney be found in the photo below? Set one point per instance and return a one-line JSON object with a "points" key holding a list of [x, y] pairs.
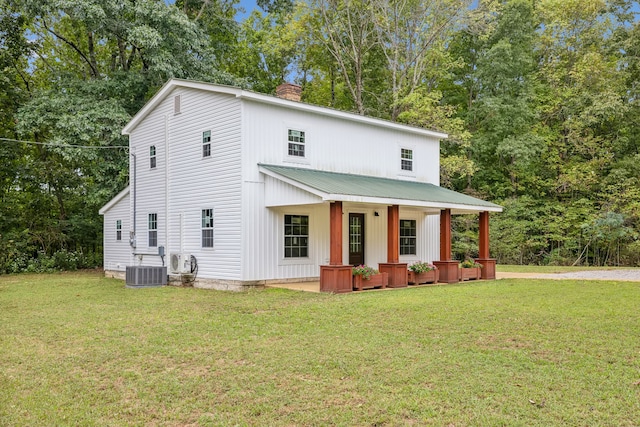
{"points": [[289, 91]]}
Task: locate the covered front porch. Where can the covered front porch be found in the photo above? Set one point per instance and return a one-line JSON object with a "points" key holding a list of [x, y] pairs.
{"points": [[389, 203], [337, 277]]}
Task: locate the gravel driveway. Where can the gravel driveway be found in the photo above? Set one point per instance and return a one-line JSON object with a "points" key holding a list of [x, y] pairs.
{"points": [[624, 275]]}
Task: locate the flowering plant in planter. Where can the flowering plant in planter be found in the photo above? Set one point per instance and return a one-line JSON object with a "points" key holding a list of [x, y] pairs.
{"points": [[469, 263], [421, 267], [365, 271]]}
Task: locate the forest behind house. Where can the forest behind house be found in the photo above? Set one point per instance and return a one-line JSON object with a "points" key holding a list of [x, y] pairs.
{"points": [[539, 97]]}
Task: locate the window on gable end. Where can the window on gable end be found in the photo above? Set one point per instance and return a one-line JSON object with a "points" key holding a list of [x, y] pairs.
{"points": [[152, 157], [119, 229], [206, 143], [176, 104], [207, 228], [153, 230]]}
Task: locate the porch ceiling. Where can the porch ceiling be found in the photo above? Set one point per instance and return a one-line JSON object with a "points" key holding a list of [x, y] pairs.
{"points": [[332, 186]]}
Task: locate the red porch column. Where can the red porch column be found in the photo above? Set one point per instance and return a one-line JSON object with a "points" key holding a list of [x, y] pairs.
{"points": [[335, 277], [393, 234], [445, 235], [448, 267], [398, 272], [488, 264], [335, 230], [483, 238]]}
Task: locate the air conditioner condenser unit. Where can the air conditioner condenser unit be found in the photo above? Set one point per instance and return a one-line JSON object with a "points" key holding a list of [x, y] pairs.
{"points": [[179, 263]]}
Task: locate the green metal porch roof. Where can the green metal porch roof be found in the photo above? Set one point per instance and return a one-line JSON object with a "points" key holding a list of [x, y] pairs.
{"points": [[349, 187]]}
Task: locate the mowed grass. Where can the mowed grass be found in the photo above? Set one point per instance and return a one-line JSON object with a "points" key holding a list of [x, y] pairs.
{"points": [[553, 268], [79, 349]]}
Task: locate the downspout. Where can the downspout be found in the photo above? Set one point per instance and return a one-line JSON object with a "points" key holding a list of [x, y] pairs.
{"points": [[132, 237], [166, 183]]}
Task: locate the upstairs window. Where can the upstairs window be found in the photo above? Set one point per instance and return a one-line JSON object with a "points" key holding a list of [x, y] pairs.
{"points": [[296, 236], [119, 229], [408, 237], [296, 143], [207, 228], [206, 143], [406, 159], [153, 230], [152, 157]]}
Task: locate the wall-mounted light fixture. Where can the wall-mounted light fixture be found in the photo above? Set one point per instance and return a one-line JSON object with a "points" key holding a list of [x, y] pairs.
{"points": [[376, 213]]}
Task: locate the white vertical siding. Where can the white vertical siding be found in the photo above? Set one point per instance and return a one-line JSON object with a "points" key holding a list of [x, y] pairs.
{"points": [[248, 236], [117, 253], [430, 250], [264, 248], [264, 252], [427, 236], [375, 232], [335, 145], [283, 194]]}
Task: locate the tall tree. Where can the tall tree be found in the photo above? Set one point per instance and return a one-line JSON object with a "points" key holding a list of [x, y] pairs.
{"points": [[349, 33], [86, 67], [412, 35]]}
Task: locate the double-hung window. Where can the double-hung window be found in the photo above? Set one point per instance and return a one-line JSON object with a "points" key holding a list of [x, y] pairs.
{"points": [[153, 230], [119, 229], [206, 143], [152, 157], [408, 237], [296, 143], [406, 159], [207, 228], [296, 236]]}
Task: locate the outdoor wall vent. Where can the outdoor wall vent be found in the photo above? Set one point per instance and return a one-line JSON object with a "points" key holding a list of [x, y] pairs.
{"points": [[176, 104]]}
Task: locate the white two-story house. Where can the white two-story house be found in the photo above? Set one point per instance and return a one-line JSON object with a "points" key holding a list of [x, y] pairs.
{"points": [[242, 189]]}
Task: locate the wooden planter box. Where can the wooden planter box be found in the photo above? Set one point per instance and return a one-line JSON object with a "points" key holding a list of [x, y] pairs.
{"points": [[397, 273], [426, 277], [470, 273], [376, 281], [335, 278]]}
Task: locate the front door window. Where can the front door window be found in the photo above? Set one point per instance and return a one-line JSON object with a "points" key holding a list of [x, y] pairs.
{"points": [[356, 239]]}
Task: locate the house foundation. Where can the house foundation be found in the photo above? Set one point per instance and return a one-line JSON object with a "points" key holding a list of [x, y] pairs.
{"points": [[115, 274]]}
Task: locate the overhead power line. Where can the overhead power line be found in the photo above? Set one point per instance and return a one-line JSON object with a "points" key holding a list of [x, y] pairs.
{"points": [[50, 144]]}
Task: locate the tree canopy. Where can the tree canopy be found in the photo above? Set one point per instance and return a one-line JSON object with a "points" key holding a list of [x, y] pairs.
{"points": [[540, 98]]}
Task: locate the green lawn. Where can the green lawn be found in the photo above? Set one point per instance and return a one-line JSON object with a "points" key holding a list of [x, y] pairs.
{"points": [[81, 350], [552, 268]]}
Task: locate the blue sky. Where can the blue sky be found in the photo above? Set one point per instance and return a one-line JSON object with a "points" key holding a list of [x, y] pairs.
{"points": [[248, 6]]}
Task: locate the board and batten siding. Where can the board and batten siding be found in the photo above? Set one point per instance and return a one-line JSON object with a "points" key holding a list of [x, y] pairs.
{"points": [[331, 144], [427, 236], [248, 235], [117, 253], [334, 144]]}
